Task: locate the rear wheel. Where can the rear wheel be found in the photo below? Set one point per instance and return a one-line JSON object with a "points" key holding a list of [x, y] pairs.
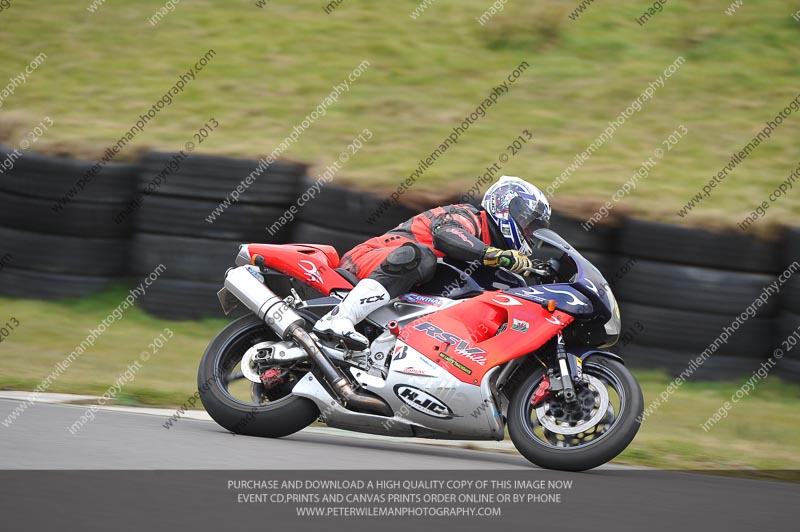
{"points": [[581, 435], [242, 406]]}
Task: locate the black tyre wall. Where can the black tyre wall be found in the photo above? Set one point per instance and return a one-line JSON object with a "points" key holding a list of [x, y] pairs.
{"points": [[790, 295], [192, 259], [178, 299], [68, 255], [46, 177], [693, 331], [214, 178], [726, 250], [79, 218], [350, 210], [680, 287], [189, 217], [42, 285], [52, 249], [599, 238], [343, 241]]}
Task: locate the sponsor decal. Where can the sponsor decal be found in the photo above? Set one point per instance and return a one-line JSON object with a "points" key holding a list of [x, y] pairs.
{"points": [[456, 363], [422, 401], [532, 294], [531, 316], [423, 300], [555, 320], [415, 371], [520, 325], [312, 273], [530, 291], [469, 355], [428, 363], [400, 352], [474, 354], [508, 301]]}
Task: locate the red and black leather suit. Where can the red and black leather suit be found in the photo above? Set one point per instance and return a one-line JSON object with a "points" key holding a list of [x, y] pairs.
{"points": [[406, 255]]}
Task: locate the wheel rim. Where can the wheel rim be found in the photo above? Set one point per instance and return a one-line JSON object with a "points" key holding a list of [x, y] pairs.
{"points": [[231, 380], [601, 404]]}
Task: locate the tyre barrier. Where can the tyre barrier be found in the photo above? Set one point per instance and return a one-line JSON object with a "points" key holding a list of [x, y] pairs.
{"points": [[790, 297], [55, 228], [693, 288], [725, 250], [192, 213], [686, 288], [317, 234], [52, 178], [345, 214], [213, 178], [679, 288]]}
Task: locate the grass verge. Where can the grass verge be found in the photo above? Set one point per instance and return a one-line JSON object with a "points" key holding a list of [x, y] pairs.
{"points": [[274, 65]]}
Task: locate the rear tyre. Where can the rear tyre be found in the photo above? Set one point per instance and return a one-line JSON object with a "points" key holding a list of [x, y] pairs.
{"points": [[270, 413], [555, 438]]}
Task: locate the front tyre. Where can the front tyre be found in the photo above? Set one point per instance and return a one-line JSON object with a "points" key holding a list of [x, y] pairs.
{"points": [[582, 435], [244, 407]]}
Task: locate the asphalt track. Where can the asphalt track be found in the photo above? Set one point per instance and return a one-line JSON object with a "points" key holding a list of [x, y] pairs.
{"points": [[40, 439], [609, 498]]}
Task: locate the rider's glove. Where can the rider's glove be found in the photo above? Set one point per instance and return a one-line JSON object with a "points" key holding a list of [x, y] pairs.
{"points": [[508, 258]]}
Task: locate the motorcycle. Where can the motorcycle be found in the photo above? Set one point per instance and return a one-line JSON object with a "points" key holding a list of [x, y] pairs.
{"points": [[471, 353]]}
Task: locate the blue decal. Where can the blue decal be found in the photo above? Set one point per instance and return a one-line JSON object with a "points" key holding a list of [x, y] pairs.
{"points": [[423, 300]]}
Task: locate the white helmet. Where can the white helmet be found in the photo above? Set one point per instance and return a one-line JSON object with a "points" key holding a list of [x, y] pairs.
{"points": [[518, 208]]}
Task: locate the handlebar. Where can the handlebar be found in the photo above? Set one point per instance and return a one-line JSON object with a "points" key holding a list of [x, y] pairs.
{"points": [[545, 269]]}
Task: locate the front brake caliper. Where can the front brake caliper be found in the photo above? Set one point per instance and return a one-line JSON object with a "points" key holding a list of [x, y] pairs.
{"points": [[542, 392]]}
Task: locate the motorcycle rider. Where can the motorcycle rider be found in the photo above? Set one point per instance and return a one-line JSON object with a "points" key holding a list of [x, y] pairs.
{"points": [[391, 264]]}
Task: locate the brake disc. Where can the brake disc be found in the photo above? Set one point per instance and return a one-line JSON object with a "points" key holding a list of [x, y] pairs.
{"points": [[591, 408], [249, 364]]}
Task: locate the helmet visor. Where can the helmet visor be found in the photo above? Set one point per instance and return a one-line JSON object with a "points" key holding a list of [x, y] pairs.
{"points": [[528, 219]]}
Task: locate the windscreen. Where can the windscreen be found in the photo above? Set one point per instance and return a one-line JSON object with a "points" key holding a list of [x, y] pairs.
{"points": [[588, 279]]}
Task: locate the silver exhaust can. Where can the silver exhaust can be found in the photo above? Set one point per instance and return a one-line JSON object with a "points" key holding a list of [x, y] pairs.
{"points": [[247, 284]]}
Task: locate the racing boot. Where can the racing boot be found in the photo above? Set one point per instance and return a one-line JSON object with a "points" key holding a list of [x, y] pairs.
{"points": [[368, 295]]}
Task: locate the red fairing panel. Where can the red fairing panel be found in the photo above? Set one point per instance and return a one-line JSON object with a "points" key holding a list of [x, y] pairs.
{"points": [[313, 265], [462, 338]]}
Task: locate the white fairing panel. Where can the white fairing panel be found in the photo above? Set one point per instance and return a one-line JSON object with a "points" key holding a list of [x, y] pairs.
{"points": [[421, 391], [427, 401]]}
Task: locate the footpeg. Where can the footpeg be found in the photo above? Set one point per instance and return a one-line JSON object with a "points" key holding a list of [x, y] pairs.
{"points": [[350, 343]]}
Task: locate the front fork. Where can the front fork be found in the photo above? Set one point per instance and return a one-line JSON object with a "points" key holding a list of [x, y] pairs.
{"points": [[564, 370], [570, 368]]}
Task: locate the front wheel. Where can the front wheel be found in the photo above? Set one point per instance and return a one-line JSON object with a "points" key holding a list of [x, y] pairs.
{"points": [[244, 407], [580, 435]]}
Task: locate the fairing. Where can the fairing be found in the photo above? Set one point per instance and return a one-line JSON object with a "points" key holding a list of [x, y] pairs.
{"points": [[464, 340], [313, 265]]}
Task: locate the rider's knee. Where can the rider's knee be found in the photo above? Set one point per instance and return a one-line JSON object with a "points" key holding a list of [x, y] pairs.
{"points": [[406, 266], [427, 264]]}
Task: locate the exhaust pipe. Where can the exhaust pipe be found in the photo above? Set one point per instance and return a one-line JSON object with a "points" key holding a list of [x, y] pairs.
{"points": [[353, 400], [245, 283]]}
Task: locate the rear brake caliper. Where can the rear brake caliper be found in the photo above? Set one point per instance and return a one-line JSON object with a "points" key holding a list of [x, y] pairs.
{"points": [[273, 377]]}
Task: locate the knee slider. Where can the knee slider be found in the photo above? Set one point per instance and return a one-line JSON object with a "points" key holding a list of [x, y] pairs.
{"points": [[403, 259]]}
